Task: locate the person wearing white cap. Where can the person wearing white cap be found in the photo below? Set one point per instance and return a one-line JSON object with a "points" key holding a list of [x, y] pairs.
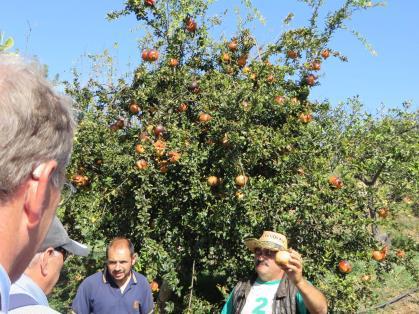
{"points": [[278, 285], [28, 293]]}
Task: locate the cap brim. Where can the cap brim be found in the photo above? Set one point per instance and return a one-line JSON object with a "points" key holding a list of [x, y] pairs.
{"points": [[76, 248], [253, 243]]}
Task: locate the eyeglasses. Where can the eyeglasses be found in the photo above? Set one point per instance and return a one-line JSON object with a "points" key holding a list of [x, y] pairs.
{"points": [[67, 192], [264, 252], [63, 251]]}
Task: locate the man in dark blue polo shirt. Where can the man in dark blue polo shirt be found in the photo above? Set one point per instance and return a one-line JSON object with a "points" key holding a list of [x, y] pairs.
{"points": [[118, 289]]}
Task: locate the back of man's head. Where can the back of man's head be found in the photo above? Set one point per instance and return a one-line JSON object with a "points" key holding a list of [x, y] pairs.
{"points": [[45, 267], [36, 124], [36, 137]]}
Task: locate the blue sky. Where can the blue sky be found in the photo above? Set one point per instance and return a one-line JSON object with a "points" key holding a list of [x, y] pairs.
{"points": [[62, 33]]}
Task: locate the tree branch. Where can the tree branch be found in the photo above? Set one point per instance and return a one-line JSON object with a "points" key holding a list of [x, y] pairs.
{"points": [[372, 181], [191, 293]]}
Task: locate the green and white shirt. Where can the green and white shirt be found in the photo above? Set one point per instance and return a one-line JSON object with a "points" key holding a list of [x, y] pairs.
{"points": [[260, 298]]}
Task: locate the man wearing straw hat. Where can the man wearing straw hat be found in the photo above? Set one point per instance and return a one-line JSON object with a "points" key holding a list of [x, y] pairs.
{"points": [[278, 285]]}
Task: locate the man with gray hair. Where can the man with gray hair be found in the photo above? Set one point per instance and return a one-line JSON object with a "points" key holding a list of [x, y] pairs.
{"points": [[36, 137], [28, 293]]}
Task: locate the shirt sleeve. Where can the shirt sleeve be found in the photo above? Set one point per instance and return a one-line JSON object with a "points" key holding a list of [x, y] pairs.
{"points": [[81, 304], [148, 305], [228, 306], [301, 307]]}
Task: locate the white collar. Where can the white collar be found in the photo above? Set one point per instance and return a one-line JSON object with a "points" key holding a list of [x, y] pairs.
{"points": [[4, 289], [27, 286]]}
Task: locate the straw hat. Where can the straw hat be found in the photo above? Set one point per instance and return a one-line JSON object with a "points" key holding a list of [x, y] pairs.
{"points": [[269, 240]]}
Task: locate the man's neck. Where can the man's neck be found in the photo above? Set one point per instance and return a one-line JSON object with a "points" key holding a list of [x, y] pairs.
{"points": [[10, 232], [36, 276], [276, 276]]}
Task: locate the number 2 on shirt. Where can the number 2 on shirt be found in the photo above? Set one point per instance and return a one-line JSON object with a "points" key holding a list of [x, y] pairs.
{"points": [[260, 308]]}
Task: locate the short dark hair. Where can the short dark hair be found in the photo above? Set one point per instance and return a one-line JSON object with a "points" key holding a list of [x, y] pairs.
{"points": [[115, 241]]}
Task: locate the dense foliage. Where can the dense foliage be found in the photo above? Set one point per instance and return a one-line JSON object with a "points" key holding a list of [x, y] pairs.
{"points": [[216, 140]]}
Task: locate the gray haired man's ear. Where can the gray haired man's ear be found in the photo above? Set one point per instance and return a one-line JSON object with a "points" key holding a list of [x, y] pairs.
{"points": [[44, 260]]}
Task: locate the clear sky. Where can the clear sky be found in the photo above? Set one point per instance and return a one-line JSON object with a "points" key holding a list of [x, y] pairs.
{"points": [[62, 33]]}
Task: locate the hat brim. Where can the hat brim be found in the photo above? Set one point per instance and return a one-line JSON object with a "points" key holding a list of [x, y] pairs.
{"points": [[253, 243], [76, 248]]}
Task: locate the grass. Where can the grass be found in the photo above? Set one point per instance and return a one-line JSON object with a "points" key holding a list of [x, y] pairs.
{"points": [[404, 274]]}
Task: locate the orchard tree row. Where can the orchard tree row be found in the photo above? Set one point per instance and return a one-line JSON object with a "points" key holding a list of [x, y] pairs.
{"points": [[214, 140]]}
